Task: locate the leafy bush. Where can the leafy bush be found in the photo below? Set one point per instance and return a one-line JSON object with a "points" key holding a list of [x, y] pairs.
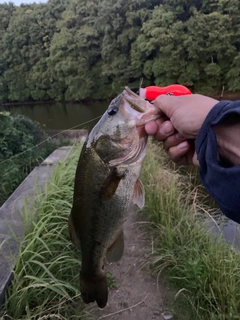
{"points": [[20, 150]]}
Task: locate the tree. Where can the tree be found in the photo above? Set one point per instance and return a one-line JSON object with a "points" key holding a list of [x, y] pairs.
{"points": [[77, 49], [75, 54], [120, 22], [209, 45]]}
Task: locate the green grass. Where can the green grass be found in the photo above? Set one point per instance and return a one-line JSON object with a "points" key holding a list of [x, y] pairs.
{"points": [[204, 271], [46, 277]]}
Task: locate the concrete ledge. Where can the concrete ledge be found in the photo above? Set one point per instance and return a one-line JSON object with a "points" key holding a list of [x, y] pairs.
{"points": [[11, 220]]}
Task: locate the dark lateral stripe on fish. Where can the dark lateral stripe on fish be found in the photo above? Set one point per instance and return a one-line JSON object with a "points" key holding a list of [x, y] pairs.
{"points": [[110, 185]]}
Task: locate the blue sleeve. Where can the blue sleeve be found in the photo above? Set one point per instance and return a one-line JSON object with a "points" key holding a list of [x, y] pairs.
{"points": [[222, 183]]}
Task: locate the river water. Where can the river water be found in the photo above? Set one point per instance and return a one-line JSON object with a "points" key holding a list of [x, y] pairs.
{"points": [[223, 227], [62, 116]]}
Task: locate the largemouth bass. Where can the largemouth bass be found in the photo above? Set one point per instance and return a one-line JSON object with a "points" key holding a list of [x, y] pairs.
{"points": [[107, 187]]}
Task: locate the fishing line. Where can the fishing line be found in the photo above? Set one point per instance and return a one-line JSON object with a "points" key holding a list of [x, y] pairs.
{"points": [[39, 144]]}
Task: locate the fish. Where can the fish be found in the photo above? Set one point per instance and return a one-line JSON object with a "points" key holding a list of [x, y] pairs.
{"points": [[107, 188]]}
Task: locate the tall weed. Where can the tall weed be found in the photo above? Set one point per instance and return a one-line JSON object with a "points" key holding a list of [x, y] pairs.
{"points": [[205, 271], [46, 277]]}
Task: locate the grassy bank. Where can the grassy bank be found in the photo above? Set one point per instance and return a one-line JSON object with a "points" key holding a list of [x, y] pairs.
{"points": [[204, 271], [46, 277]]}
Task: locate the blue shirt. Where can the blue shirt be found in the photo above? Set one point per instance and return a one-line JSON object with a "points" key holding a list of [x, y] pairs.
{"points": [[222, 183]]}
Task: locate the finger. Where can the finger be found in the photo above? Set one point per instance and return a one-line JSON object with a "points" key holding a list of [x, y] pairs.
{"points": [[173, 141], [184, 154], [167, 104], [176, 153], [195, 160], [165, 130], [152, 127]]}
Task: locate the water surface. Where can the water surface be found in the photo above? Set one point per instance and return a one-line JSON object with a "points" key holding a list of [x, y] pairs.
{"points": [[61, 115]]}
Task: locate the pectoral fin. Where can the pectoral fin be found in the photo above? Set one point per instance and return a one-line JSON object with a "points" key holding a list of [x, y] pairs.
{"points": [[110, 185], [115, 252], [138, 196]]}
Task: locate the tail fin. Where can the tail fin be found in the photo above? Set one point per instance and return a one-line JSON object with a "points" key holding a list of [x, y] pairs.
{"points": [[94, 289]]}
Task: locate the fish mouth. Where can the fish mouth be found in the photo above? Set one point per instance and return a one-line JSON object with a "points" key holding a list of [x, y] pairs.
{"points": [[135, 102], [136, 105], [142, 111]]}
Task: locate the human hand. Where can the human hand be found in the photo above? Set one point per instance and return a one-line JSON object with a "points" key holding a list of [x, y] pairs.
{"points": [[182, 119]]}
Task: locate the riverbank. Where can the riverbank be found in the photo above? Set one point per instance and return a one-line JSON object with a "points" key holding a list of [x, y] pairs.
{"points": [[218, 96], [201, 274], [203, 269], [34, 102], [44, 286]]}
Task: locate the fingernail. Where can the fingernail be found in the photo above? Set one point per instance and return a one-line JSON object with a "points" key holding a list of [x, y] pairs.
{"points": [[151, 127], [166, 130], [182, 145]]}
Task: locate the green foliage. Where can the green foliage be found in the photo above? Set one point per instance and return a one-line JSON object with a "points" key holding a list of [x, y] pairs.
{"points": [[17, 134], [19, 154], [185, 45], [203, 270], [46, 276], [69, 49]]}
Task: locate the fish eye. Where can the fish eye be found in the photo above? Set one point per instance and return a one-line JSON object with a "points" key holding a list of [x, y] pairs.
{"points": [[112, 110]]}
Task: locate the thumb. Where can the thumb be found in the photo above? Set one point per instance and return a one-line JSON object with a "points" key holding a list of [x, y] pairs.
{"points": [[167, 104]]}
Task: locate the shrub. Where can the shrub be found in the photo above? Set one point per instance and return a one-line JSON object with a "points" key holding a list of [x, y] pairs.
{"points": [[20, 150]]}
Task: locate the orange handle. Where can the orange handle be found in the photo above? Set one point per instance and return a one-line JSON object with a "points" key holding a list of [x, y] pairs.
{"points": [[152, 92]]}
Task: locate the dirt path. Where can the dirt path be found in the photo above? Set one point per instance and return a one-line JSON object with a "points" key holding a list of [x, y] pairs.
{"points": [[137, 296]]}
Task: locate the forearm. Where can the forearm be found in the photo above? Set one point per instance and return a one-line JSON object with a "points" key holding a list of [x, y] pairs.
{"points": [[228, 141], [218, 141]]}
